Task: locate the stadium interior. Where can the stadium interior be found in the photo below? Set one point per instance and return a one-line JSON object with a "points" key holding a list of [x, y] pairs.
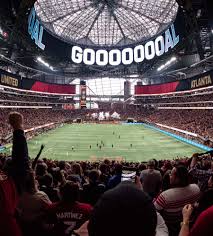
{"points": [[106, 117]]}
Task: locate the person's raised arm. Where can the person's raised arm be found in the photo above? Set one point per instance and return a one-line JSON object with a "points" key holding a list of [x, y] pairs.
{"points": [[37, 157], [194, 160]]}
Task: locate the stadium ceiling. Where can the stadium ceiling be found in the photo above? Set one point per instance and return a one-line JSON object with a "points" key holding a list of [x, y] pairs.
{"points": [[106, 22], [101, 23]]}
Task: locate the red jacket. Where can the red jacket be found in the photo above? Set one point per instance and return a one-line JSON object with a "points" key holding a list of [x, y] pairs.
{"points": [[8, 202], [203, 224]]}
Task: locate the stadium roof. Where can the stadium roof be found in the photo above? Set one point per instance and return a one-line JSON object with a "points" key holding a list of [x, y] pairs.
{"points": [[19, 54], [106, 22]]}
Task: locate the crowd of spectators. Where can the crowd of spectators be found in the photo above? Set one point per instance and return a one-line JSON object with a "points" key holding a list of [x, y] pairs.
{"points": [[195, 121], [11, 97], [198, 121], [38, 117], [178, 98], [47, 197]]}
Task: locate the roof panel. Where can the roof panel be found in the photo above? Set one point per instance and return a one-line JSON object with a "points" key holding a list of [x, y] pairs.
{"points": [[106, 23]]}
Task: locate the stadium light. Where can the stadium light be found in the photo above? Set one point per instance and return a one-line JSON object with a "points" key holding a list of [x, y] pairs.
{"points": [[134, 76], [39, 59], [3, 33], [169, 62]]}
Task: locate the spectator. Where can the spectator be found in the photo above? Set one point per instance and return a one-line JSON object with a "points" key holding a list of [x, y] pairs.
{"points": [[205, 201], [67, 214], [166, 180], [202, 175], [94, 189], [151, 180], [116, 178], [202, 225], [20, 158], [170, 202], [77, 172], [31, 206], [46, 185], [41, 170], [127, 215], [8, 202], [104, 176]]}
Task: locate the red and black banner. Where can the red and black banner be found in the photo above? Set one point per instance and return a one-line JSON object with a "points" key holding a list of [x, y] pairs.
{"points": [[196, 82], [39, 86], [15, 81], [83, 94]]}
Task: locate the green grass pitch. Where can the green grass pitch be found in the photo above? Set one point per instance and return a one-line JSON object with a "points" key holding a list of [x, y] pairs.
{"points": [[136, 143]]}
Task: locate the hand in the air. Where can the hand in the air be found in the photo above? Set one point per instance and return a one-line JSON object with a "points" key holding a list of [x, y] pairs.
{"points": [[16, 120]]}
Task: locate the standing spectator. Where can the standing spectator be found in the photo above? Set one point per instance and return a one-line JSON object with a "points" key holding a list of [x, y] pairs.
{"points": [[116, 178], [151, 179], [46, 185], [205, 201], [41, 170], [202, 175], [31, 206], [126, 210], [67, 214], [20, 158], [170, 202], [8, 203], [104, 176], [77, 172], [94, 189], [202, 226]]}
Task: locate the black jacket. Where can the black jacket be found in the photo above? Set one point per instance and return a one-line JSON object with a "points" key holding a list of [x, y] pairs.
{"points": [[20, 157]]}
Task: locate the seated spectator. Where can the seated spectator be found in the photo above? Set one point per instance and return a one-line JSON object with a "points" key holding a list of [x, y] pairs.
{"points": [[151, 180], [31, 207], [125, 210], [170, 202], [94, 189], [67, 214], [116, 178]]}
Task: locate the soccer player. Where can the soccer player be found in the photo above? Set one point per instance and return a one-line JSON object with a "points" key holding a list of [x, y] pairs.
{"points": [[131, 145], [90, 146]]}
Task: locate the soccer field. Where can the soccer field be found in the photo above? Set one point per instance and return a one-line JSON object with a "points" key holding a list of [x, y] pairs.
{"points": [[136, 143]]}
